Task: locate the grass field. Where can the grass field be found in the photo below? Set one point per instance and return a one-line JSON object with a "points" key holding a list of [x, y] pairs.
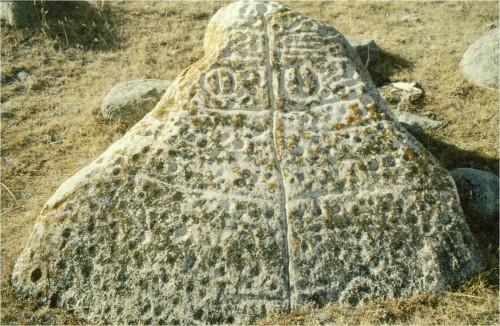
{"points": [[51, 128]]}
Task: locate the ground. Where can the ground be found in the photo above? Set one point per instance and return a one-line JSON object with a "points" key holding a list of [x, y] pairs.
{"points": [[51, 126]]}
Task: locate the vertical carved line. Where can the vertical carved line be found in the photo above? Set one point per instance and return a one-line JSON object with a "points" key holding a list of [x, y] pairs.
{"points": [[284, 203]]}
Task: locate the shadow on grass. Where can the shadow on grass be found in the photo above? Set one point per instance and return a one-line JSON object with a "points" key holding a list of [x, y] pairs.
{"points": [[78, 24], [386, 66], [452, 157]]}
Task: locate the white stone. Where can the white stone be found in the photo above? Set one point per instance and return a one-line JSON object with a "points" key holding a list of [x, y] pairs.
{"points": [[402, 95], [270, 175], [130, 101], [22, 76], [480, 62], [410, 18], [6, 14]]}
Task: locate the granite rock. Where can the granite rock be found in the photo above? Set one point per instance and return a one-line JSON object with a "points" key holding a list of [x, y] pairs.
{"points": [[271, 174], [478, 192], [416, 124], [130, 101], [480, 62], [402, 95]]}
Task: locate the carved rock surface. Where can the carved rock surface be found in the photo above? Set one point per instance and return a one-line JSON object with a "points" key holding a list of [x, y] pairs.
{"points": [[270, 174]]}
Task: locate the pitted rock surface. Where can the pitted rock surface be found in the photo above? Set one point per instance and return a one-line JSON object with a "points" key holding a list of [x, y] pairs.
{"points": [[270, 174]]}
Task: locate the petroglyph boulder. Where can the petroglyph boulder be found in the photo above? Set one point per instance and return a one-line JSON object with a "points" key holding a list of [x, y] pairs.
{"points": [[270, 174]]}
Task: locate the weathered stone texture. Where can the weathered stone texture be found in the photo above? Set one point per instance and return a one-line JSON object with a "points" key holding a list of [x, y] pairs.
{"points": [[479, 193], [416, 124], [130, 101], [269, 175], [402, 96], [481, 61]]}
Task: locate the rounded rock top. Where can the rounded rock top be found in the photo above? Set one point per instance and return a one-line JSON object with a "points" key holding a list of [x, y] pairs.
{"points": [[480, 62], [130, 101]]}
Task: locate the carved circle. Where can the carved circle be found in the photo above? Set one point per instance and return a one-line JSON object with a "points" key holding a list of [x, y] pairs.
{"points": [[218, 82], [300, 81]]}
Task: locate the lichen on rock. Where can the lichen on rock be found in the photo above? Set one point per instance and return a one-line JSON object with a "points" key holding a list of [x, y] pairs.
{"points": [[271, 174]]}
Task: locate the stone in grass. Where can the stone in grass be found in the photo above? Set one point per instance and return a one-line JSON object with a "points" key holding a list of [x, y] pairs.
{"points": [[480, 63], [478, 192], [410, 18], [131, 100], [416, 124], [402, 95], [270, 175], [367, 50]]}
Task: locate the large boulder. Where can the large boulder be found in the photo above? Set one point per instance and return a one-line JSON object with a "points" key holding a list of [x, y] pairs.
{"points": [[130, 101], [480, 62], [478, 192], [270, 175]]}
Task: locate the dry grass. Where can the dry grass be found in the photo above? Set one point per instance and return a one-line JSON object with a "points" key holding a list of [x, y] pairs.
{"points": [[50, 127]]}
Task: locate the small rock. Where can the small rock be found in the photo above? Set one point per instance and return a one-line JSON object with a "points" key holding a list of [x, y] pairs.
{"points": [[368, 51], [416, 124], [402, 95], [22, 76], [480, 62], [410, 18], [130, 101], [478, 191], [6, 14]]}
